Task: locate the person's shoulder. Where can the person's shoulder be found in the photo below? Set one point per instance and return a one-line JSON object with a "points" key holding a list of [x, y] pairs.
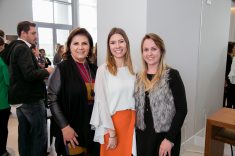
{"points": [[172, 72], [102, 66]]}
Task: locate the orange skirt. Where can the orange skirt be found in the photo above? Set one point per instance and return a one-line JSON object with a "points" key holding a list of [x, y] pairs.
{"points": [[124, 122]]}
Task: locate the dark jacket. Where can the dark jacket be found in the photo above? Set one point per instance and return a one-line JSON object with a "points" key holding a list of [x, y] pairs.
{"points": [[67, 99], [26, 78]]}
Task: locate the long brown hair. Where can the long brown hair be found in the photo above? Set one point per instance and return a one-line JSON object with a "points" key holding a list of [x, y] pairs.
{"points": [[111, 64], [78, 31], [161, 66]]}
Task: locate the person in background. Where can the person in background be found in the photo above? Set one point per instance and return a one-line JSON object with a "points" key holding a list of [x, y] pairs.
{"points": [[36, 53], [71, 95], [4, 105], [229, 88], [160, 101], [113, 116], [58, 56], [46, 60], [93, 58], [2, 44], [27, 91], [2, 34]]}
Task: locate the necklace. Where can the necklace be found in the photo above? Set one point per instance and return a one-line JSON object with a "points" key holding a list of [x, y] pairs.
{"points": [[88, 77]]}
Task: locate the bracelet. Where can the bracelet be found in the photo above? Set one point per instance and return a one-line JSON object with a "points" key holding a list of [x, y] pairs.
{"points": [[114, 136]]}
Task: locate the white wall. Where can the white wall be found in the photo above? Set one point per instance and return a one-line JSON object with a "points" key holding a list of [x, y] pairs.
{"points": [[212, 59], [12, 12], [179, 26]]}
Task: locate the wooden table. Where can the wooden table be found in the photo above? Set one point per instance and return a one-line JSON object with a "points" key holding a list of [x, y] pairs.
{"points": [[221, 121]]}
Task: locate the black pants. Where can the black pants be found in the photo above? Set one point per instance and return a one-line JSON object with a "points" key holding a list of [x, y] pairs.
{"points": [[4, 117], [230, 96], [32, 129], [148, 143]]}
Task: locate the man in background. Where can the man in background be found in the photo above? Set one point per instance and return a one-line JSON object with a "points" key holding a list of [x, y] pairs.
{"points": [[27, 91]]}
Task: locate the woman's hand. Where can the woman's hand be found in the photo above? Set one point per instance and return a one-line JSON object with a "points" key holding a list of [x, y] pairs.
{"points": [[165, 148], [69, 135], [112, 144]]}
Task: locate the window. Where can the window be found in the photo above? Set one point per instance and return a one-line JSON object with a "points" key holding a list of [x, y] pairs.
{"points": [[52, 11], [45, 37], [56, 18], [54, 21], [88, 16]]}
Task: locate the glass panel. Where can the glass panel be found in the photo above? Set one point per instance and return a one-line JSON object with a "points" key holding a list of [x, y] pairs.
{"points": [[62, 36], [45, 36], [68, 1], [90, 2], [43, 11], [62, 13], [88, 19]]}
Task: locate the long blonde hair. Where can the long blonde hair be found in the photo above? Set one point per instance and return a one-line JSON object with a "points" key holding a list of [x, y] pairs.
{"points": [[111, 64], [142, 77]]}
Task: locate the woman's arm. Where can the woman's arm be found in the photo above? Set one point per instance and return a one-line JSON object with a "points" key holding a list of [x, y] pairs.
{"points": [[53, 89], [179, 95], [101, 119]]}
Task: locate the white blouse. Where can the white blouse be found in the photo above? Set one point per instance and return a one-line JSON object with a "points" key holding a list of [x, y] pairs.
{"points": [[231, 74], [112, 94]]}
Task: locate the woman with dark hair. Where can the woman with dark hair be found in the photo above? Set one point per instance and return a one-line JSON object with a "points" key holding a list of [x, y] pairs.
{"points": [[58, 56], [113, 116], [161, 104], [71, 96]]}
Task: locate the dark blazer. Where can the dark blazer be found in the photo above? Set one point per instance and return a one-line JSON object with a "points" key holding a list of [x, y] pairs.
{"points": [[26, 78]]}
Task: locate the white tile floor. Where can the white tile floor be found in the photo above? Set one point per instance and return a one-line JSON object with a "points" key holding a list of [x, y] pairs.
{"points": [[189, 150]]}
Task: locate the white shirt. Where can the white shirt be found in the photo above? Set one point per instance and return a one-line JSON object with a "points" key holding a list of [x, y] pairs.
{"points": [[112, 94], [231, 74], [27, 43]]}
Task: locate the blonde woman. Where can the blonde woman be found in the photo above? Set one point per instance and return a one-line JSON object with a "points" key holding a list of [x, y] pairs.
{"points": [[160, 102], [113, 115]]}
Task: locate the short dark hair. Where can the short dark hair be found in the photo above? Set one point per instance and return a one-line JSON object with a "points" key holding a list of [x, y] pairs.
{"points": [[42, 50], [24, 26], [2, 34]]}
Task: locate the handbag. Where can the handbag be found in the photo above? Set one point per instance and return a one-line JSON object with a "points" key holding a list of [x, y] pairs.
{"points": [[74, 151]]}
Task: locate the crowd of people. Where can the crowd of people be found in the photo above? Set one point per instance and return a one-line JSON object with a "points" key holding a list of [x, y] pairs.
{"points": [[110, 110]]}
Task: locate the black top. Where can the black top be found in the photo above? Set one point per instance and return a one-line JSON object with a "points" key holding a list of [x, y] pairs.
{"points": [[179, 95]]}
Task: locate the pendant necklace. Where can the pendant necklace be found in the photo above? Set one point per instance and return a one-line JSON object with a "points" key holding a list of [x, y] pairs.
{"points": [[88, 77]]}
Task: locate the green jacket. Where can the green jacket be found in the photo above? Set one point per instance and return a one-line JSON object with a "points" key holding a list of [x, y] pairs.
{"points": [[4, 84]]}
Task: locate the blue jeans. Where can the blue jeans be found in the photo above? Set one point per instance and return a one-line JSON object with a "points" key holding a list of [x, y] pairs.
{"points": [[32, 129]]}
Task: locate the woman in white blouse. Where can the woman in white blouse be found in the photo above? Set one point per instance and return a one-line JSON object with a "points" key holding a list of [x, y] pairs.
{"points": [[113, 115]]}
